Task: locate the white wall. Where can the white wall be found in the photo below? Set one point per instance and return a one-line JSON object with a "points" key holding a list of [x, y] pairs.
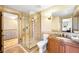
{"points": [[45, 23], [56, 24], [49, 25]]}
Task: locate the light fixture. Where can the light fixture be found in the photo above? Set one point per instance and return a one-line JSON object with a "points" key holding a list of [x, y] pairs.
{"points": [[34, 19], [49, 18]]}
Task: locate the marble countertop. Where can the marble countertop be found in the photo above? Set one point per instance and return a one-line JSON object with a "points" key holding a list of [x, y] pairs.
{"points": [[64, 39]]}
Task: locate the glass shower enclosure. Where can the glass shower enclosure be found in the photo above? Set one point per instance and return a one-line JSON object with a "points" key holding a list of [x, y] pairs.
{"points": [[30, 30]]}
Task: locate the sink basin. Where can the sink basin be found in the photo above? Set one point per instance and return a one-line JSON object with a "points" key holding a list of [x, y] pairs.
{"points": [[64, 39], [75, 39]]}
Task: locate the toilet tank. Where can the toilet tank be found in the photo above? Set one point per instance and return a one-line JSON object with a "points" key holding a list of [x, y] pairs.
{"points": [[45, 36]]}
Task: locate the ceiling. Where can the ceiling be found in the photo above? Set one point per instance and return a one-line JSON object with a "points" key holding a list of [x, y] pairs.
{"points": [[64, 10], [57, 10], [28, 8]]}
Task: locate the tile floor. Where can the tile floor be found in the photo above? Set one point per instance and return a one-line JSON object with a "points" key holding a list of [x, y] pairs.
{"points": [[16, 49], [10, 42], [12, 46]]}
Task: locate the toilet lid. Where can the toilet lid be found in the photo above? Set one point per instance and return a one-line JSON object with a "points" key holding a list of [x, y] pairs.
{"points": [[41, 43]]}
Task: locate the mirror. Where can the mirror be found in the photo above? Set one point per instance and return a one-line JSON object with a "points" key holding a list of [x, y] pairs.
{"points": [[67, 25], [75, 25], [70, 24]]}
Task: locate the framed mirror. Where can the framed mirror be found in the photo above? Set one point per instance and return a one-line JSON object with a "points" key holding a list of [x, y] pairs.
{"points": [[75, 24], [67, 25]]}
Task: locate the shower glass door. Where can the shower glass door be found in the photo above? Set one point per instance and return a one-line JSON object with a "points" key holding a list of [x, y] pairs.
{"points": [[35, 29], [24, 27]]}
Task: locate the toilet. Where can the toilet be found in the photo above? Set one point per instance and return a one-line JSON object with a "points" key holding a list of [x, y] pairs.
{"points": [[43, 43]]}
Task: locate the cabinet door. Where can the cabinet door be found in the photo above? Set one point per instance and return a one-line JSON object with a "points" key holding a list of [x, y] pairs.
{"points": [[62, 47], [50, 46], [72, 49], [53, 45]]}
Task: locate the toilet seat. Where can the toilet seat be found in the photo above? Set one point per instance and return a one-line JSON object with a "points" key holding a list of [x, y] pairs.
{"points": [[42, 44]]}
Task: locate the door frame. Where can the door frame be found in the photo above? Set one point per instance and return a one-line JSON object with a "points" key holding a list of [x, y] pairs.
{"points": [[4, 9], [1, 42]]}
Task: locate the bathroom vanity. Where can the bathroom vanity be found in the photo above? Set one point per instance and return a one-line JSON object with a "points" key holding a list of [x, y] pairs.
{"points": [[62, 45], [65, 40]]}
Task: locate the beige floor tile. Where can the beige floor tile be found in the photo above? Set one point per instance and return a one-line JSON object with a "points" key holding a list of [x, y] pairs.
{"points": [[16, 49], [10, 42]]}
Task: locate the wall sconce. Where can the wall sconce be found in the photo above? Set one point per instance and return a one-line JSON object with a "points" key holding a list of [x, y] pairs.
{"points": [[49, 18], [34, 20]]}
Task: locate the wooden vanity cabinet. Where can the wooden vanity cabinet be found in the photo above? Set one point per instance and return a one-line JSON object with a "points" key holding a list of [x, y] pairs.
{"points": [[54, 46], [58, 46], [71, 49]]}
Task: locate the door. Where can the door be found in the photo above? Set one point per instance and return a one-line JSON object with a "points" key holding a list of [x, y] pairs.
{"points": [[1, 50], [9, 30]]}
